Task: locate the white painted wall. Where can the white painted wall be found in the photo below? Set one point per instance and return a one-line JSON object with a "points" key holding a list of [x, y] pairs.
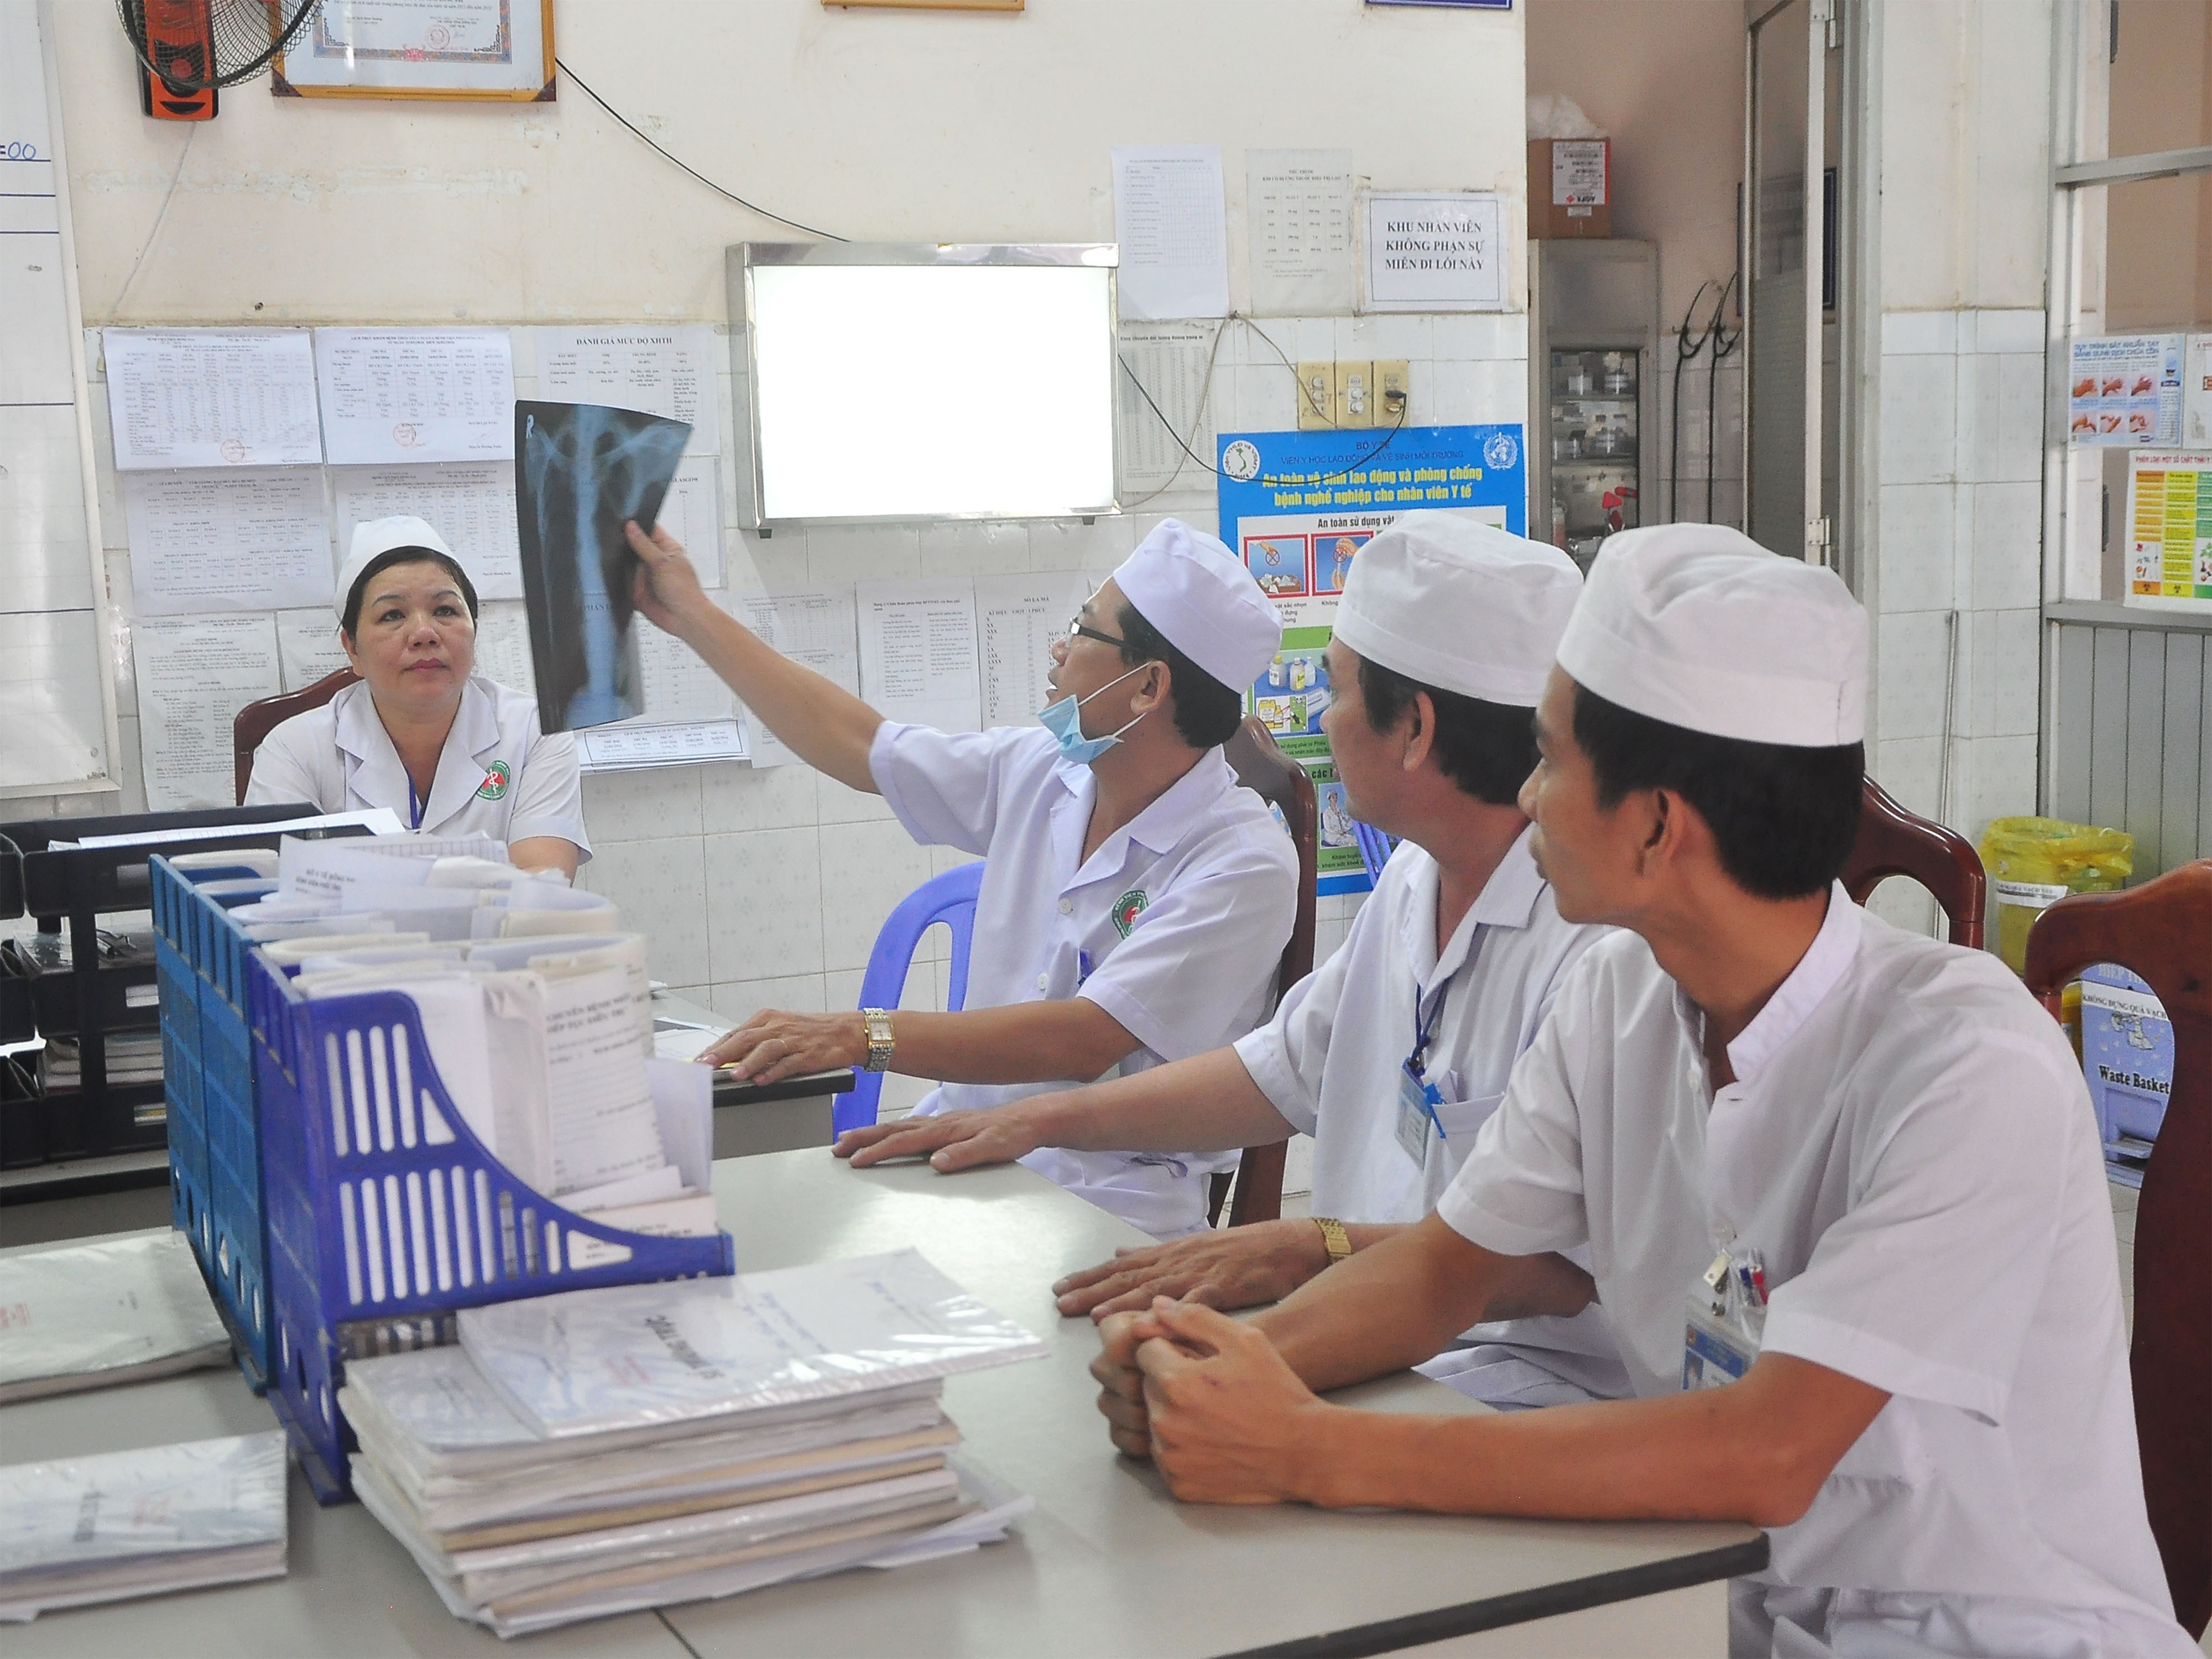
{"points": [[766, 888]]}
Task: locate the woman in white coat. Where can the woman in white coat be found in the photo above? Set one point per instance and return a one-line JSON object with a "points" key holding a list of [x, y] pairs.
{"points": [[449, 752]]}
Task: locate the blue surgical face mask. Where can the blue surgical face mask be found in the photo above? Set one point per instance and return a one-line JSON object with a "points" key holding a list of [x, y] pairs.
{"points": [[1064, 719]]}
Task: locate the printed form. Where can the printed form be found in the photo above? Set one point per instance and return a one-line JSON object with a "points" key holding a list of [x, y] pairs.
{"points": [[1017, 618], [195, 673], [1169, 220], [810, 625], [415, 394], [471, 506], [670, 370], [256, 540], [918, 651], [210, 396]]}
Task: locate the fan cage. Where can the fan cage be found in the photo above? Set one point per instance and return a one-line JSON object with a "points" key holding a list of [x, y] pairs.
{"points": [[245, 36]]}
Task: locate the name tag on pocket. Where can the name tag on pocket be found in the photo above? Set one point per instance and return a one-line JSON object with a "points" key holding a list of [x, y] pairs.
{"points": [[1417, 1101]]}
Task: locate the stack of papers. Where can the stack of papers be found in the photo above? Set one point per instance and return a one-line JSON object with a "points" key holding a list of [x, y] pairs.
{"points": [[602, 1451], [88, 1316], [141, 1522]]}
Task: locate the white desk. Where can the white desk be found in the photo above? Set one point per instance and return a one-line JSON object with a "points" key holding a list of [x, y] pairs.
{"points": [[1107, 1564]]}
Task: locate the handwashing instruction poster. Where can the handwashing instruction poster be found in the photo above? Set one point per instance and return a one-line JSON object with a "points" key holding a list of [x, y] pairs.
{"points": [[1298, 507]]}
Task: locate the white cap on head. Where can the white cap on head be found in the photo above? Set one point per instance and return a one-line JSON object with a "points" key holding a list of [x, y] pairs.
{"points": [[373, 539], [1199, 595], [1459, 606], [1699, 626]]}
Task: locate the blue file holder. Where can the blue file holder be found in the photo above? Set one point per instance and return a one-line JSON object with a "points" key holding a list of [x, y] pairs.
{"points": [[214, 1158], [386, 1216]]}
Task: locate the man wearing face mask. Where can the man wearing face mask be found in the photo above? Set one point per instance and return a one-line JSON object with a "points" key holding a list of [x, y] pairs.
{"points": [[1135, 901]]}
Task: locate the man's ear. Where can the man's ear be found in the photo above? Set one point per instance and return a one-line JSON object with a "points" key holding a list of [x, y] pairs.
{"points": [[1153, 688], [1418, 725]]}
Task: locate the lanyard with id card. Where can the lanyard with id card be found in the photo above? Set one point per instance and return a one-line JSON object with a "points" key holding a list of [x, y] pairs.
{"points": [[1418, 1098], [1727, 1318]]}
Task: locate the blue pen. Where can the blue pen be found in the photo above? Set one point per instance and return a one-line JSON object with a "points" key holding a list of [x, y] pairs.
{"points": [[1082, 966]]}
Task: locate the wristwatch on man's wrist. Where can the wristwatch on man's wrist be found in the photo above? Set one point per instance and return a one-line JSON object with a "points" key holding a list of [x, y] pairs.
{"points": [[877, 1023], [1333, 1236]]}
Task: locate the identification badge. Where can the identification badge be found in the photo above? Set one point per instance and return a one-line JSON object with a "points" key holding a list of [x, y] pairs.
{"points": [[1727, 1320], [1417, 1112]]}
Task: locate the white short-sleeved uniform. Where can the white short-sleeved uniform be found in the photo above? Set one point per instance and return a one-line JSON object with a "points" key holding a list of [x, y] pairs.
{"points": [[1329, 1062], [1175, 926], [1910, 1144], [499, 776]]}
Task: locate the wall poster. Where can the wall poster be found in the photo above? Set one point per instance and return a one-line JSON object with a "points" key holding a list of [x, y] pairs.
{"points": [[1298, 507]]}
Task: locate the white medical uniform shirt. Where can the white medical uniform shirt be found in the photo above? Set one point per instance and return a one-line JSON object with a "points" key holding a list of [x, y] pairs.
{"points": [[341, 757], [1329, 1062], [1910, 1144], [1175, 926]]}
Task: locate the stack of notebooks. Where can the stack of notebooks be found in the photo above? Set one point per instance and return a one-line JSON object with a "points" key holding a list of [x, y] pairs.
{"points": [[141, 1522], [88, 1316], [601, 1451]]}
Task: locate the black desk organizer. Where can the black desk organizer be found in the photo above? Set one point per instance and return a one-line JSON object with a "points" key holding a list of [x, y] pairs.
{"points": [[87, 1000]]}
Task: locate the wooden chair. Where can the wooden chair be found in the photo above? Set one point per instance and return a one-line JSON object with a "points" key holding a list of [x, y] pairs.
{"points": [[1893, 842], [2162, 931], [258, 719], [1262, 766]]}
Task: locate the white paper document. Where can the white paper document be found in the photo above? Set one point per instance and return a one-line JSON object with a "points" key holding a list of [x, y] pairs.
{"points": [[918, 651], [472, 506], [308, 647], [252, 540], [195, 673], [1438, 250], [679, 687], [1017, 618], [810, 625], [605, 1127], [588, 1361], [1298, 212], [667, 370], [1165, 407], [691, 512], [631, 748], [415, 394], [1169, 220], [503, 646], [210, 396]]}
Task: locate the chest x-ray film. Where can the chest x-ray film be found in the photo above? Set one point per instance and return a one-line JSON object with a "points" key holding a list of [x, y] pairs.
{"points": [[581, 470]]}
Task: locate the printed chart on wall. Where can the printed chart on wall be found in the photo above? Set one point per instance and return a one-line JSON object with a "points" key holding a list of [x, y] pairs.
{"points": [[2170, 529], [1298, 507]]}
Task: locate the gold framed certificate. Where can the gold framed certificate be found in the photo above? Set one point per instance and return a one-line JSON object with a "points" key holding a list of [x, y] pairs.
{"points": [[499, 51]]}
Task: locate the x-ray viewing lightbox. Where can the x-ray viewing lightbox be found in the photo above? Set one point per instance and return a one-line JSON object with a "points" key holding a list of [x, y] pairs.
{"points": [[892, 381]]}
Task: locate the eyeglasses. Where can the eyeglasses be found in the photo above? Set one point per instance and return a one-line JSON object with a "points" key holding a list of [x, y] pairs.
{"points": [[1078, 630]]}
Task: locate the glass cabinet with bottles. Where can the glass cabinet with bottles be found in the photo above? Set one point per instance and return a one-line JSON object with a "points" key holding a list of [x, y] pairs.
{"points": [[1593, 326]]}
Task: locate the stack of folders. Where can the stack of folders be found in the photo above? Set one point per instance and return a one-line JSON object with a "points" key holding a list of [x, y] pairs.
{"points": [[141, 1522], [86, 1315], [602, 1451]]}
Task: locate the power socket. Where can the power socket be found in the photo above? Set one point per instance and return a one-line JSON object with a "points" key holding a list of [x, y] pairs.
{"points": [[1355, 394], [1317, 396], [1395, 382]]}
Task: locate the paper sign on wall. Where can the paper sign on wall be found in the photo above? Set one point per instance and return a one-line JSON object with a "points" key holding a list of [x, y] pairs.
{"points": [[398, 395], [211, 397], [2170, 529], [670, 370], [2124, 390], [1170, 222], [250, 540], [1434, 251]]}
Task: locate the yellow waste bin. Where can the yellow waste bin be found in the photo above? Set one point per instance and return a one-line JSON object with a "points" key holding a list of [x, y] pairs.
{"points": [[2033, 863]]}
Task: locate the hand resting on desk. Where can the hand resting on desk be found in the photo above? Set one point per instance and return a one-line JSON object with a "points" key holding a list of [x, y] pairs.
{"points": [[774, 1045]]}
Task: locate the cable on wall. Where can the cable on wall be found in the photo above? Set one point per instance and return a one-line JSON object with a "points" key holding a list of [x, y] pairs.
{"points": [[752, 207]]}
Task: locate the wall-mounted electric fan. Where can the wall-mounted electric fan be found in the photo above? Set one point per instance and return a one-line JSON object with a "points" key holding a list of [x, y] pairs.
{"points": [[188, 48]]}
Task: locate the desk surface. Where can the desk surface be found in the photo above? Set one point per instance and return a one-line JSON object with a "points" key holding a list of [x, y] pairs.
{"points": [[1108, 1563]]}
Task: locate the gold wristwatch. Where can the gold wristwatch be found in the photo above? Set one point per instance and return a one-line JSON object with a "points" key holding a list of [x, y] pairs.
{"points": [[877, 1022], [1333, 1236]]}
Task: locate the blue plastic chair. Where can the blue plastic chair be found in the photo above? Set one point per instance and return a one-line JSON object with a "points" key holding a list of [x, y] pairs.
{"points": [[1375, 848], [949, 898]]}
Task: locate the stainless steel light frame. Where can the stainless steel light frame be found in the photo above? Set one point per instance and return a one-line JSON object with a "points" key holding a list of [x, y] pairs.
{"points": [[744, 259]]}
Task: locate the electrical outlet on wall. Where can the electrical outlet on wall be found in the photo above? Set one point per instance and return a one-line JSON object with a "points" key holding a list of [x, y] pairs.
{"points": [[1355, 394], [1394, 384], [1316, 397]]}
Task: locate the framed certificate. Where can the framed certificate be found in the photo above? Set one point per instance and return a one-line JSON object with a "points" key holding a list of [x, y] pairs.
{"points": [[499, 50]]}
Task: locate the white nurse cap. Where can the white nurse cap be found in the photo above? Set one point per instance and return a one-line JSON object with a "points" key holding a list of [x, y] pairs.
{"points": [[1697, 625], [1460, 605], [1204, 602], [373, 539]]}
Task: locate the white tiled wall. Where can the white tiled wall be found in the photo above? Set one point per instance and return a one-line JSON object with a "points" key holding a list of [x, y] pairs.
{"points": [[1958, 566]]}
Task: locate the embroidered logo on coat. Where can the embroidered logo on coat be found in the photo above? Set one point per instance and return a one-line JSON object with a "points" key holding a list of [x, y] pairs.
{"points": [[1126, 909], [496, 778]]}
